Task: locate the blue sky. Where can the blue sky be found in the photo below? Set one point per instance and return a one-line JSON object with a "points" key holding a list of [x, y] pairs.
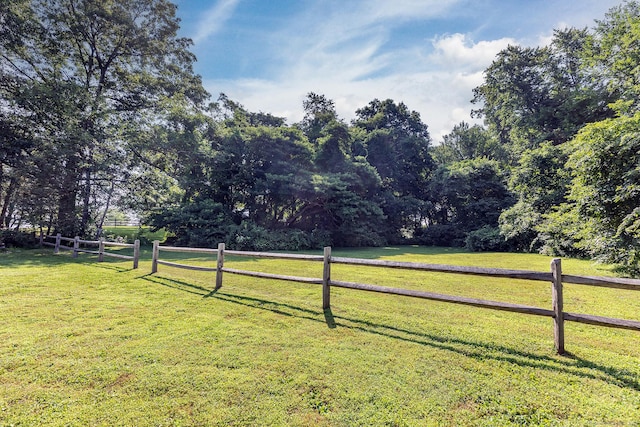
{"points": [[429, 54]]}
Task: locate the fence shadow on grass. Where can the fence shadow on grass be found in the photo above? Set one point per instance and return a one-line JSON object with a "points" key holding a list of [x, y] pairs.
{"points": [[108, 266], [568, 364], [176, 284]]}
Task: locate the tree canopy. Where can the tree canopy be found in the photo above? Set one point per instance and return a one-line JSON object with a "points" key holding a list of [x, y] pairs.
{"points": [[78, 72]]}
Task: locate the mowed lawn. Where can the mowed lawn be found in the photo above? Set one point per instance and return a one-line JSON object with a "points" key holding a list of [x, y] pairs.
{"points": [[84, 343]]}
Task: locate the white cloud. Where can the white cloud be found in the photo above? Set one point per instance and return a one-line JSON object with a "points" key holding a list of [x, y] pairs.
{"points": [[352, 76], [214, 19], [459, 52], [441, 98]]}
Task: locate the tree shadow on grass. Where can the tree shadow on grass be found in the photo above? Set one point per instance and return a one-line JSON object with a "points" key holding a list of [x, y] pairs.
{"points": [[568, 364]]}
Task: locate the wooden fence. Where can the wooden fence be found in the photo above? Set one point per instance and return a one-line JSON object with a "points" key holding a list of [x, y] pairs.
{"points": [[554, 276], [101, 244]]}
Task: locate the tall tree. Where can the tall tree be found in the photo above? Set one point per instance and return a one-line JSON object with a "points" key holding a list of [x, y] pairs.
{"points": [[319, 112], [79, 71], [395, 141], [467, 142], [465, 196], [602, 215], [532, 95], [614, 54], [535, 100]]}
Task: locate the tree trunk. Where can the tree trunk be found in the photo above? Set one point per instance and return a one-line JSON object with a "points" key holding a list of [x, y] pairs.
{"points": [[67, 218], [106, 209], [4, 218], [86, 200]]}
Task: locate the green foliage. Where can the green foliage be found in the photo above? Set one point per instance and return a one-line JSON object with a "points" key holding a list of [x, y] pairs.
{"points": [[518, 224], [332, 154], [604, 194], [442, 235], [18, 239], [82, 74], [466, 196], [129, 234], [552, 169], [251, 237], [395, 141], [397, 144], [615, 53], [339, 207], [466, 143], [559, 233], [319, 113], [485, 239], [532, 95], [540, 178], [202, 223], [540, 182], [283, 188]]}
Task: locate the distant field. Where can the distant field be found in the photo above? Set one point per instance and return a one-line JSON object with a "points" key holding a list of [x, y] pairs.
{"points": [[132, 233], [84, 343]]}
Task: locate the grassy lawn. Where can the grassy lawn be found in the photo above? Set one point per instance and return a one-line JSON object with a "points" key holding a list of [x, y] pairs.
{"points": [[84, 343]]}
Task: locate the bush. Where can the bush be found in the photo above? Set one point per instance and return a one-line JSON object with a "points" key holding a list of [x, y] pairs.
{"points": [[252, 237], [442, 235], [18, 239], [485, 239]]}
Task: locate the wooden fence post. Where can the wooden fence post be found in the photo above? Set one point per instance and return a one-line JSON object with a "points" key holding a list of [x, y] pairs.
{"points": [[101, 250], [41, 238], [220, 264], [556, 291], [56, 249], [76, 245], [136, 253], [154, 256], [326, 279]]}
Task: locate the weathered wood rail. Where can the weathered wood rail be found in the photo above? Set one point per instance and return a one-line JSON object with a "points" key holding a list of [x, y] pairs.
{"points": [[101, 244], [554, 276]]}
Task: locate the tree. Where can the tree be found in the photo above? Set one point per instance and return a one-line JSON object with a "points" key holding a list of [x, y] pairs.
{"points": [[333, 152], [467, 142], [614, 53], [78, 71], [532, 95], [540, 183], [602, 215], [319, 111], [535, 100], [15, 142], [465, 196], [396, 142]]}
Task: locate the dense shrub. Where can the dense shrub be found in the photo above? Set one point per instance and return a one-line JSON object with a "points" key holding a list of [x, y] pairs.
{"points": [[485, 239], [249, 236], [18, 239], [442, 235]]}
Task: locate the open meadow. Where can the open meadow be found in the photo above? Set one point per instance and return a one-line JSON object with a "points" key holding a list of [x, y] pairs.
{"points": [[84, 343]]}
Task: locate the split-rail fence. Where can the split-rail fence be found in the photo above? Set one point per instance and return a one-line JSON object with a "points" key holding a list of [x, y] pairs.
{"points": [[101, 244], [554, 276]]}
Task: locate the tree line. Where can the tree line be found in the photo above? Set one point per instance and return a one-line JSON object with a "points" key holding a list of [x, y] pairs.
{"points": [[100, 108]]}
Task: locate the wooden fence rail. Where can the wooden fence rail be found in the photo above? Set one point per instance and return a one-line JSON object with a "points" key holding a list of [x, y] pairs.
{"points": [[101, 252], [555, 277]]}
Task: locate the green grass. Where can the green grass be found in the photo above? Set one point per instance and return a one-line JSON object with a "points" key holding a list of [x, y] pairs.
{"points": [[87, 343]]}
